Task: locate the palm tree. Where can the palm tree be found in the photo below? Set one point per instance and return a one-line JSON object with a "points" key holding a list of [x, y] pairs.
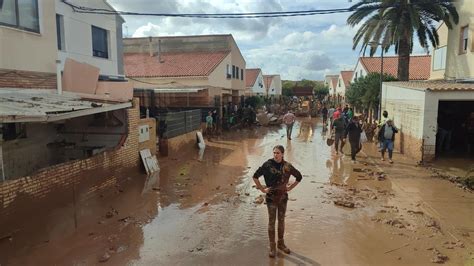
{"points": [[394, 22]]}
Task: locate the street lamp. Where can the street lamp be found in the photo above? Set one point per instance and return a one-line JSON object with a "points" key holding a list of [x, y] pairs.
{"points": [[374, 45]]}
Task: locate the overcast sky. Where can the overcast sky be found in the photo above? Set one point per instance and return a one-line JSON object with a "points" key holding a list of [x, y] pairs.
{"points": [[295, 47]]}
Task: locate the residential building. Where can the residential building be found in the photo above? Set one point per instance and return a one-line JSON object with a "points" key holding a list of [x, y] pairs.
{"points": [[343, 83], [88, 38], [331, 82], [419, 66], [433, 116], [254, 83], [273, 84], [208, 69]]}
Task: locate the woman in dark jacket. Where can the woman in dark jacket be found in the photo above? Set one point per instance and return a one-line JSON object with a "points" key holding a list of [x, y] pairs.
{"points": [[277, 173], [353, 130]]}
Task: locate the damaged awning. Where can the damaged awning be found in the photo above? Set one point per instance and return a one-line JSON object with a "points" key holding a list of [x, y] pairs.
{"points": [[38, 105], [172, 89]]}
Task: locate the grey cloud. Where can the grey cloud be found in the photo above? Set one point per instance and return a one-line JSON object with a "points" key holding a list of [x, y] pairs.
{"points": [[318, 62]]}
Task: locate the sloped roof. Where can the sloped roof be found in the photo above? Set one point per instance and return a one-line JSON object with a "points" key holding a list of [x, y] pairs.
{"points": [[420, 66], [176, 64], [346, 77], [334, 81], [436, 86], [251, 75], [268, 80]]}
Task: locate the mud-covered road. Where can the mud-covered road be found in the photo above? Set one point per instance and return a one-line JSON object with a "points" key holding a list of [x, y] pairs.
{"points": [[202, 209]]}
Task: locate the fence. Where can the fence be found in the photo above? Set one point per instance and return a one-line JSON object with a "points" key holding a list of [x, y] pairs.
{"points": [[174, 124]]}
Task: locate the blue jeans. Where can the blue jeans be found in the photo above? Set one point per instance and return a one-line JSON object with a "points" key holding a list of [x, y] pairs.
{"points": [[387, 144]]}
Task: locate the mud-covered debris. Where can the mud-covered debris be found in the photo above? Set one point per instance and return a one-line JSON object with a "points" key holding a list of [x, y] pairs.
{"points": [[374, 197], [358, 170], [104, 257], [438, 257], [395, 222], [121, 249], [344, 203], [313, 181], [460, 244], [125, 219], [433, 223], [205, 204], [218, 187], [382, 211], [466, 234], [415, 212], [254, 186], [259, 200], [111, 213], [156, 188], [247, 194], [377, 220], [381, 177], [292, 199]]}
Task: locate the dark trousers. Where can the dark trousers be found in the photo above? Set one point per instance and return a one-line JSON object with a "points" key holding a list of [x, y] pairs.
{"points": [[276, 206], [339, 137], [289, 129], [355, 148]]}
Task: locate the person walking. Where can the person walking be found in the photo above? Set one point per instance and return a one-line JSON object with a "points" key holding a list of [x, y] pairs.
{"points": [[387, 137], [209, 124], [277, 172], [289, 120], [324, 112], [330, 115], [339, 126], [382, 122], [354, 130]]}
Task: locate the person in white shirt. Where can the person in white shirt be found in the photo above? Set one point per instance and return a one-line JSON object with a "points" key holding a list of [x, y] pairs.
{"points": [[289, 119]]}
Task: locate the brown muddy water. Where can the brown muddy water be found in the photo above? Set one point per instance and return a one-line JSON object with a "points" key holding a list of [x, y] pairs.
{"points": [[200, 209]]}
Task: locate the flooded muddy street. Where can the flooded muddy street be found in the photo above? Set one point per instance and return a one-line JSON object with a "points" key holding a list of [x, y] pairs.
{"points": [[202, 209]]}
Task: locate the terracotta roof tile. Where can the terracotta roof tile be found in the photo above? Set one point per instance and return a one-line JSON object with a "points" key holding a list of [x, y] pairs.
{"points": [[251, 75], [420, 66], [173, 64], [346, 77], [334, 81]]}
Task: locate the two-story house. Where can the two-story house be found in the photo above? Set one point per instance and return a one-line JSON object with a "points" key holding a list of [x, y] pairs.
{"points": [[273, 84], [254, 82], [50, 131], [435, 116], [186, 71], [331, 82], [343, 83]]}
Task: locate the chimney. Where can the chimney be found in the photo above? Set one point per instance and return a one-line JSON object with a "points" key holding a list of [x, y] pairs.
{"points": [[150, 46], [159, 52]]}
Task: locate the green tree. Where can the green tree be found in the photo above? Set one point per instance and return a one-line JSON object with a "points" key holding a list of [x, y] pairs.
{"points": [[320, 90], [395, 22], [287, 87], [254, 101], [364, 93]]}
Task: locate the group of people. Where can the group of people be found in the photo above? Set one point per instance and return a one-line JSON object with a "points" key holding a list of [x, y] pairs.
{"points": [[345, 125]]}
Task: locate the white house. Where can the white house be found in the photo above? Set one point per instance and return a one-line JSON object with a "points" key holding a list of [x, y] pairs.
{"points": [[90, 38], [254, 84], [434, 116], [419, 66], [273, 84], [343, 83]]}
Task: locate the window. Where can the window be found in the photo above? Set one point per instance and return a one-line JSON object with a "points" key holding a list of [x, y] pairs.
{"points": [[339, 83], [237, 72], [12, 131], [463, 41], [355, 77], [21, 14], [228, 74], [100, 45], [439, 58], [60, 31], [241, 74], [233, 71]]}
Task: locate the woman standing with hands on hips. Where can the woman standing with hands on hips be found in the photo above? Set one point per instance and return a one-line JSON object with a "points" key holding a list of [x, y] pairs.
{"points": [[277, 172]]}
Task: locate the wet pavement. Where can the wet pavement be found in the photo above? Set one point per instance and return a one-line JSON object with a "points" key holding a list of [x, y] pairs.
{"points": [[202, 209]]}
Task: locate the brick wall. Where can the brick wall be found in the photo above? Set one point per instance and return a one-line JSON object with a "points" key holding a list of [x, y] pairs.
{"points": [[151, 143], [27, 79], [53, 186]]}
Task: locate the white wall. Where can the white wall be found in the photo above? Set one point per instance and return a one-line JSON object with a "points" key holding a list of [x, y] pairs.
{"points": [[275, 86], [360, 70], [256, 89], [78, 35], [406, 107], [340, 86]]}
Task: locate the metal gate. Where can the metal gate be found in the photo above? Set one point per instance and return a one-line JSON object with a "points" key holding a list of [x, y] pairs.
{"points": [[174, 124]]}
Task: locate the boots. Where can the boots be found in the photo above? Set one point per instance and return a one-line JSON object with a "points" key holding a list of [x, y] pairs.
{"points": [[283, 247], [273, 251]]}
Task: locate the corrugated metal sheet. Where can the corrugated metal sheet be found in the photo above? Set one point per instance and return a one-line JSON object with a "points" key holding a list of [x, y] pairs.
{"points": [[25, 105]]}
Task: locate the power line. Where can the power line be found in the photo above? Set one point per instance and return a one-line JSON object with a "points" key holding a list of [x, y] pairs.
{"points": [[89, 10]]}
